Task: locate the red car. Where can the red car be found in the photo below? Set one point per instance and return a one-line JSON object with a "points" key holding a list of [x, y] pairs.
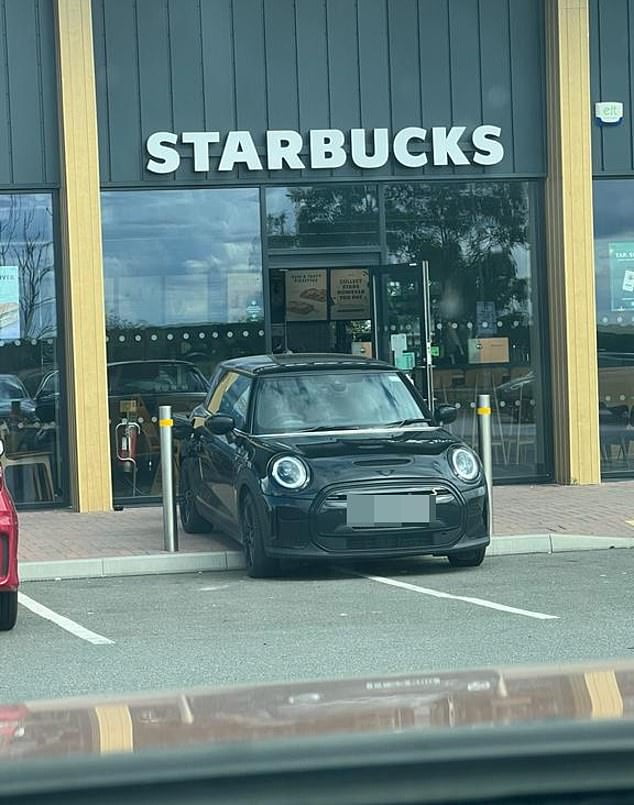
{"points": [[8, 556]]}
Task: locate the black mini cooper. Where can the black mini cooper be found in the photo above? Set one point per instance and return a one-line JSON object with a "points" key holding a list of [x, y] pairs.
{"points": [[329, 456]]}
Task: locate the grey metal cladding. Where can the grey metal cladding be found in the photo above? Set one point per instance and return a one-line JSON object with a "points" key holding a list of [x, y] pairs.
{"points": [[222, 65], [29, 138], [612, 79]]}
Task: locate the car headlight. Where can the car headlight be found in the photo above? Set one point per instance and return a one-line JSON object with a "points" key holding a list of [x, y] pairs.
{"points": [[464, 463], [290, 472]]}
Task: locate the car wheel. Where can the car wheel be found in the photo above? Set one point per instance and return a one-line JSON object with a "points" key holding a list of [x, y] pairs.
{"points": [[259, 565], [472, 558], [8, 610], [192, 521]]}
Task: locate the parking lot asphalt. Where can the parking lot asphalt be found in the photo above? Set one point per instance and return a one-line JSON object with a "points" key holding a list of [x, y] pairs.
{"points": [[157, 632]]}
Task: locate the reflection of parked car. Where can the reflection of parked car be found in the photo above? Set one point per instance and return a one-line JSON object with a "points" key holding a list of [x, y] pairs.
{"points": [[517, 396], [47, 397], [318, 457], [135, 391], [8, 556], [177, 383], [15, 400]]}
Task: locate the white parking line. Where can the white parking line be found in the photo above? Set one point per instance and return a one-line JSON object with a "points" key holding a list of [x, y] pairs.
{"points": [[63, 622], [479, 602]]}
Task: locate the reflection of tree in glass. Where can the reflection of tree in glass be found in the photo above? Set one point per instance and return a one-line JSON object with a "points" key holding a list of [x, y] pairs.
{"points": [[25, 241], [115, 322], [468, 233], [343, 212]]}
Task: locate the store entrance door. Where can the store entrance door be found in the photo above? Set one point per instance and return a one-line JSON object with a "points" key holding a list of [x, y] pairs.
{"points": [[378, 311], [403, 329]]}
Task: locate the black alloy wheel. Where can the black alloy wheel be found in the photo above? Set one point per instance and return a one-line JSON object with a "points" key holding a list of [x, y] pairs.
{"points": [[192, 521]]}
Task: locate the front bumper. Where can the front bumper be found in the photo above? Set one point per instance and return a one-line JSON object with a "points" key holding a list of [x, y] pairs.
{"points": [[314, 528]]}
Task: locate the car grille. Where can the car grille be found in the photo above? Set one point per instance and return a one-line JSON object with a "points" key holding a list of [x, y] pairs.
{"points": [[380, 542], [332, 533]]}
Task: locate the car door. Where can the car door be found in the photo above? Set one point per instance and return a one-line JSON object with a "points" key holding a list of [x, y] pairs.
{"points": [[219, 454]]}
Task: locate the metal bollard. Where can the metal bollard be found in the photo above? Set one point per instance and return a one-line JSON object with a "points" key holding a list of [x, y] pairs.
{"points": [[484, 446], [166, 423]]}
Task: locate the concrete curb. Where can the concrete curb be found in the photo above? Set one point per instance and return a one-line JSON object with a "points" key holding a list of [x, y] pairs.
{"points": [[151, 564], [554, 543], [141, 565]]}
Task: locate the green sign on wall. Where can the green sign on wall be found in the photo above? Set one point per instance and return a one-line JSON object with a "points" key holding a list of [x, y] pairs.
{"points": [[622, 275]]}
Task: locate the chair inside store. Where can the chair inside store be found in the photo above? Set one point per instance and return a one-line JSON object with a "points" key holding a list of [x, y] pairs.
{"points": [[512, 394], [616, 432]]}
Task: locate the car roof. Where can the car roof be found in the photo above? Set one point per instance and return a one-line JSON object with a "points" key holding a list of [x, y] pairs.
{"points": [[271, 364], [152, 361]]}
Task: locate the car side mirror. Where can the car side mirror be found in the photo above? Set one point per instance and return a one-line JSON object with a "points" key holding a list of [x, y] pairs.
{"points": [[182, 429], [446, 414], [220, 425]]}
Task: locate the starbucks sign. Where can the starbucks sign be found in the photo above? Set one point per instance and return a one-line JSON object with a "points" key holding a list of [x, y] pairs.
{"points": [[412, 147]]}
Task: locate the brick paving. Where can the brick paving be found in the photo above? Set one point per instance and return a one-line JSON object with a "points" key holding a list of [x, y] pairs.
{"points": [[583, 510], [135, 531], [605, 510]]}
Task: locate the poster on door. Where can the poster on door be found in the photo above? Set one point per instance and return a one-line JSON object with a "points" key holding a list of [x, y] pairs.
{"points": [[306, 295], [622, 275], [9, 303], [350, 292]]}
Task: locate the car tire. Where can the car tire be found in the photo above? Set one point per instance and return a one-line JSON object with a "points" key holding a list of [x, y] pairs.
{"points": [[8, 610], [258, 564], [191, 519], [472, 558]]}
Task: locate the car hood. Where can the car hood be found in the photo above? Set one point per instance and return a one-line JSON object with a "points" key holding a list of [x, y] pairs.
{"points": [[330, 444], [425, 701]]}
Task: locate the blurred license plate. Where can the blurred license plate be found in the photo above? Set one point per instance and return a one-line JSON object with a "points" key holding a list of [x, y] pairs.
{"points": [[373, 510]]}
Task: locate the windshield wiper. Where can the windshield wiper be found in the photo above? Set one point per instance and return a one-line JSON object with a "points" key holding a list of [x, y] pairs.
{"points": [[318, 428], [410, 421]]}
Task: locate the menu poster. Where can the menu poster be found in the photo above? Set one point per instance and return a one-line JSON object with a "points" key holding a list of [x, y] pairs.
{"points": [[622, 275], [9, 302], [306, 295], [350, 291]]}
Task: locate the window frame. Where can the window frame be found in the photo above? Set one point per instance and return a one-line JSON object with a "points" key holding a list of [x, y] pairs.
{"points": [[223, 375]]}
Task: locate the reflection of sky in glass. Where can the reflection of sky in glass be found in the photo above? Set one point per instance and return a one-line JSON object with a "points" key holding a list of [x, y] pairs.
{"points": [[278, 203], [26, 241], [177, 256]]}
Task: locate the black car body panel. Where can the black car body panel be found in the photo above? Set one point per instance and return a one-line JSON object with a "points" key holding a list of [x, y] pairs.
{"points": [[311, 522]]}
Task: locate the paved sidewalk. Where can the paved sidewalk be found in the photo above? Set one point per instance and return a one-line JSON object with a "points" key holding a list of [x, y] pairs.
{"points": [[605, 511], [135, 531]]}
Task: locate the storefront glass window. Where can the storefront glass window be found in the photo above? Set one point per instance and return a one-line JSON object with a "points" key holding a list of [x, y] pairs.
{"points": [[325, 215], [31, 410], [614, 268], [488, 315], [183, 277]]}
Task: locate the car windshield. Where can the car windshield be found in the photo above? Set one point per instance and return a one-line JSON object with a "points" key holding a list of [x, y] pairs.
{"points": [[339, 399], [11, 388]]}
